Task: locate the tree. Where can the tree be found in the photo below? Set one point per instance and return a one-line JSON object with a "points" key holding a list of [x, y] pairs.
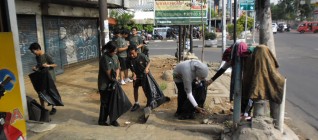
{"points": [[123, 20], [242, 19], [239, 29], [148, 28], [306, 11], [263, 11]]}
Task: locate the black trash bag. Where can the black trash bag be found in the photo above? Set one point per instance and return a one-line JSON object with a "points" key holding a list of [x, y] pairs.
{"points": [[155, 96], [45, 87], [199, 91], [36, 111], [119, 102]]}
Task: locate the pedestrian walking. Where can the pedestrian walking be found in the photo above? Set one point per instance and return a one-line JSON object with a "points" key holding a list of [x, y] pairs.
{"points": [[44, 77]]}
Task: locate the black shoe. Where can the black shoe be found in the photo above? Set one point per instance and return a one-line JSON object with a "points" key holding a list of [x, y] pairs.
{"points": [[135, 107], [115, 123], [53, 111], [192, 116], [176, 114], [103, 123], [183, 117]]}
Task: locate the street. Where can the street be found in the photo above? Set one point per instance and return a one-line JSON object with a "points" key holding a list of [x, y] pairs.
{"points": [[211, 54], [297, 57]]}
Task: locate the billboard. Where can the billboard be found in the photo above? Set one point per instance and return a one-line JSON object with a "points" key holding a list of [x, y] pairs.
{"points": [[12, 121], [180, 12]]}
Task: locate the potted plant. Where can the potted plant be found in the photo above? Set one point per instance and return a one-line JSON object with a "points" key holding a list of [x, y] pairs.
{"points": [[210, 39]]}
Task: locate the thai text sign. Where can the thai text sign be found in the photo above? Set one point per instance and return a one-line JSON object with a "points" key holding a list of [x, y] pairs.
{"points": [[180, 12]]}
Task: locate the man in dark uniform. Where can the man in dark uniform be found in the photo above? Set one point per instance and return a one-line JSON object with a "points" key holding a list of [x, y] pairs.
{"points": [[136, 40], [139, 65], [108, 71]]}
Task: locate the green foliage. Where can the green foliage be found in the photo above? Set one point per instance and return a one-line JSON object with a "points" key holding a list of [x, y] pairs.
{"points": [[123, 20], [289, 10], [139, 27], [242, 19], [210, 36], [239, 29], [213, 13], [148, 28]]}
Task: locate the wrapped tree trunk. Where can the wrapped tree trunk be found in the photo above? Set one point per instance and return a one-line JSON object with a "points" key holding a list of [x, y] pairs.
{"points": [[265, 17]]}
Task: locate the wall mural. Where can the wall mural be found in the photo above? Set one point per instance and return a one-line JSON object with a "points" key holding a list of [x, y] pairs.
{"points": [[27, 35], [71, 40]]}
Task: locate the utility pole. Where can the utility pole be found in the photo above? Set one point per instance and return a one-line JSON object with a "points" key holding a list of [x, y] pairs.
{"points": [[203, 28], [254, 26], [230, 9], [103, 23], [210, 14], [223, 25]]}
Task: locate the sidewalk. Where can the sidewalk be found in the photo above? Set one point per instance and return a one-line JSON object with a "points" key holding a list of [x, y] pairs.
{"points": [[78, 118]]}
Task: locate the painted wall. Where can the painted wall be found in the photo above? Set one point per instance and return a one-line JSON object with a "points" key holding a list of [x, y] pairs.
{"points": [[78, 26], [27, 35], [69, 40]]}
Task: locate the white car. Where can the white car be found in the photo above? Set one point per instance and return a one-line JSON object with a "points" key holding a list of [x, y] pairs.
{"points": [[274, 28]]}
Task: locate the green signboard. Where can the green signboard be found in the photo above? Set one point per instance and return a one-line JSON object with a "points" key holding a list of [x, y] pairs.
{"points": [[180, 12], [247, 6]]}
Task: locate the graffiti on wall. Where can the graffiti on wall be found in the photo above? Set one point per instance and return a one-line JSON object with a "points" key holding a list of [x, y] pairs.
{"points": [[71, 39], [27, 35]]}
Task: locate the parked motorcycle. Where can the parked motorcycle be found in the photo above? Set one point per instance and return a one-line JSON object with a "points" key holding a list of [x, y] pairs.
{"points": [[280, 28], [288, 28], [157, 36]]}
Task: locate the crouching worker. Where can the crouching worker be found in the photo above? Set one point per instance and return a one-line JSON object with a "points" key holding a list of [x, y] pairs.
{"points": [[183, 75], [108, 70]]}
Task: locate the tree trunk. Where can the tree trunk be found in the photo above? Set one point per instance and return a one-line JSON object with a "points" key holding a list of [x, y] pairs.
{"points": [[266, 36]]}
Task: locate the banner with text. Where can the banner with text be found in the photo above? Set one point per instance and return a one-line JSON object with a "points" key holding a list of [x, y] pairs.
{"points": [[12, 121], [180, 12]]}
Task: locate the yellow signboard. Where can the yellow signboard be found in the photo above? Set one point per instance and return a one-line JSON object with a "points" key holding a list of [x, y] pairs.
{"points": [[12, 121]]}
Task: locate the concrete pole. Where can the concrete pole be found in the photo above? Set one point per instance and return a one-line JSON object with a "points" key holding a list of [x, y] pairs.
{"points": [[179, 45], [203, 28], [230, 9], [254, 27], [245, 36], [12, 26], [103, 15], [191, 38], [282, 111], [210, 14], [235, 17], [223, 25], [237, 89]]}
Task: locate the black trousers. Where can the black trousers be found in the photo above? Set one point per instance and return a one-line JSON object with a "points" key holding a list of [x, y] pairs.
{"points": [[104, 105], [184, 105]]}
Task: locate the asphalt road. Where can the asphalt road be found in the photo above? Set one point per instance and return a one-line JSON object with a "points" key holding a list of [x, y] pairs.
{"points": [[297, 55], [210, 54]]}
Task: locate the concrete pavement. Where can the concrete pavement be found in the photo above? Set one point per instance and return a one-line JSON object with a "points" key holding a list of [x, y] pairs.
{"points": [[78, 118]]}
